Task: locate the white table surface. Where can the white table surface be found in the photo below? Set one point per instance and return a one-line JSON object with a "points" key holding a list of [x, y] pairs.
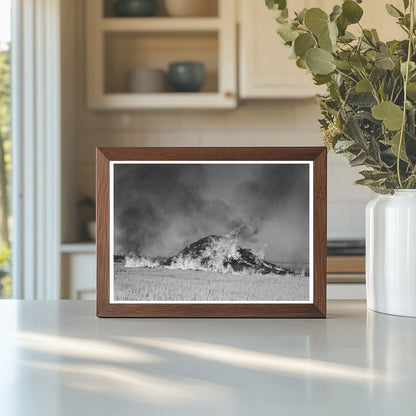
{"points": [[57, 358]]}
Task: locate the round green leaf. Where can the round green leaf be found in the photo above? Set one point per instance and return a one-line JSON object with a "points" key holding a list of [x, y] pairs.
{"points": [[395, 145], [301, 63], [351, 11], [333, 32], [347, 37], [342, 25], [403, 69], [324, 41], [276, 4], [316, 20], [393, 11], [384, 62], [344, 65], [287, 33], [391, 114], [319, 61], [411, 90], [375, 35], [322, 79], [303, 43], [358, 61], [363, 86], [301, 15], [336, 12], [328, 38]]}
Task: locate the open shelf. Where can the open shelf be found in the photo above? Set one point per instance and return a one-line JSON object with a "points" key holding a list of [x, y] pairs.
{"points": [[168, 100], [87, 247], [210, 6], [126, 51], [119, 45], [160, 24]]}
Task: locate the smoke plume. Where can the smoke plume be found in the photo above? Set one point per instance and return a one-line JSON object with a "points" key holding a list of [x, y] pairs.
{"points": [[160, 208]]}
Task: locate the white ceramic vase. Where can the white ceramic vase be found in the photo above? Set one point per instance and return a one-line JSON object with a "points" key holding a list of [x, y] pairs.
{"points": [[391, 253]]}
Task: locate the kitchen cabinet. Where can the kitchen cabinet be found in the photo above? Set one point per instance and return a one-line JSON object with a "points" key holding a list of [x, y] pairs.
{"points": [[78, 263], [265, 70], [118, 45], [346, 277]]}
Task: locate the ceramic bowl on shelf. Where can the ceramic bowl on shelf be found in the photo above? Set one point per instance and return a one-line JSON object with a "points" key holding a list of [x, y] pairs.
{"points": [[147, 81], [186, 76], [135, 8], [191, 8]]}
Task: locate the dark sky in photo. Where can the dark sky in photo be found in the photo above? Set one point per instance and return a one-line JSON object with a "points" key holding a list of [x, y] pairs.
{"points": [[161, 208]]}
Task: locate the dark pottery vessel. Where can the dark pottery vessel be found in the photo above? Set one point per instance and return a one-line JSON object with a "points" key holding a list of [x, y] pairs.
{"points": [[187, 76], [135, 8]]}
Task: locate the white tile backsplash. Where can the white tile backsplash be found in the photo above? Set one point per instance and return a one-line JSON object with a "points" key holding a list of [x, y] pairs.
{"points": [[232, 137], [148, 120], [216, 120], [307, 114], [175, 138], [258, 123], [295, 137], [253, 123], [346, 218]]}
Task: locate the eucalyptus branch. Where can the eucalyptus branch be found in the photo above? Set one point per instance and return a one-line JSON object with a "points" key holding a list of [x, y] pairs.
{"points": [[369, 40], [398, 95], [357, 46], [373, 88], [365, 88], [406, 80], [404, 28], [346, 75], [391, 98]]}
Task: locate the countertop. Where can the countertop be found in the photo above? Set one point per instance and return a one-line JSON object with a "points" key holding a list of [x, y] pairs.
{"points": [[57, 358]]}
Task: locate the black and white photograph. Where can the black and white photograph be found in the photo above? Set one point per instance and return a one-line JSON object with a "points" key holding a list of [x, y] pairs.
{"points": [[211, 232]]}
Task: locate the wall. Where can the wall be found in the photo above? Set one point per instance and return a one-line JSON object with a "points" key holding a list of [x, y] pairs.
{"points": [[257, 123]]}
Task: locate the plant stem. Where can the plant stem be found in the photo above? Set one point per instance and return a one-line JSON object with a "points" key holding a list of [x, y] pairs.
{"points": [[406, 80], [346, 75], [373, 88], [391, 98], [397, 95]]}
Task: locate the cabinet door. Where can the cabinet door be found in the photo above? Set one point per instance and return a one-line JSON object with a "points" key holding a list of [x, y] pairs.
{"points": [[78, 276], [376, 17], [265, 68]]}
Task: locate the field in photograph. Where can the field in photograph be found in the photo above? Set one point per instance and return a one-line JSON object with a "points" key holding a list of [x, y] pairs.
{"points": [[162, 284]]}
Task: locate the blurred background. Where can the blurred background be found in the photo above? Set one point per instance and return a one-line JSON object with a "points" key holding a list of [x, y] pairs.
{"points": [[145, 73]]}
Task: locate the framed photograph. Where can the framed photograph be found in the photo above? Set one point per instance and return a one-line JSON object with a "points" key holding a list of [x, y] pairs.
{"points": [[211, 232]]}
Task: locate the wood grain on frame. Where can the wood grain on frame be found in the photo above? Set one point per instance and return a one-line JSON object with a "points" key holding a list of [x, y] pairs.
{"points": [[317, 309]]}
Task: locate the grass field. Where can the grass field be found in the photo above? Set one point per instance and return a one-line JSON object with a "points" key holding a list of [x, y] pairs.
{"points": [[160, 284]]}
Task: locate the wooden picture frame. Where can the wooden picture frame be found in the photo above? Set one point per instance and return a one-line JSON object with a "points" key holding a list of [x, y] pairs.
{"points": [[110, 159]]}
